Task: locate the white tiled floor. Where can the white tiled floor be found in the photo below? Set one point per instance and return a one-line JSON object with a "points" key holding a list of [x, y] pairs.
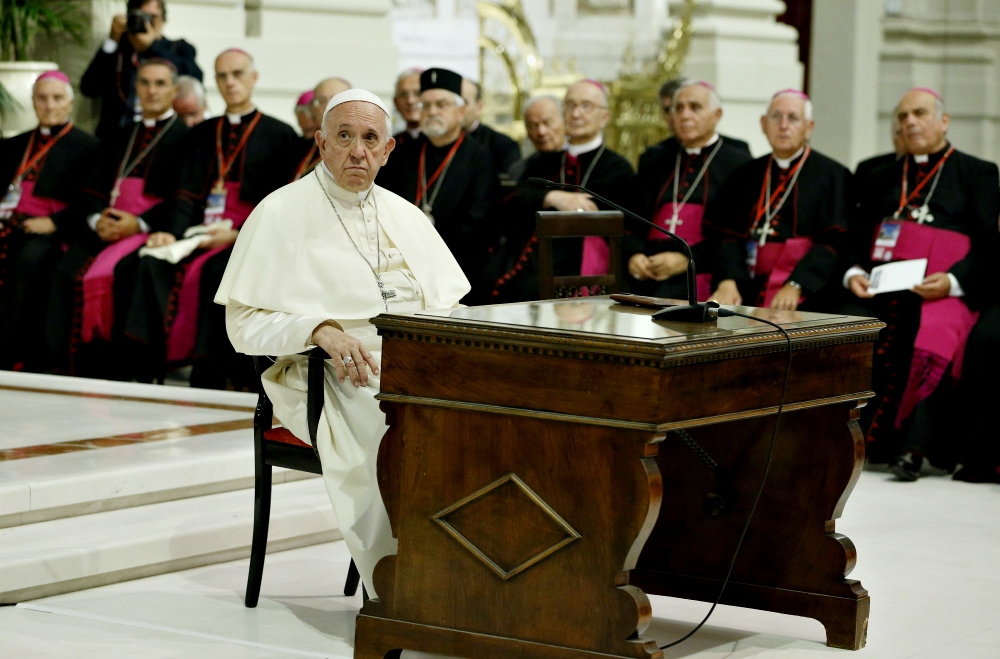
{"points": [[928, 554]]}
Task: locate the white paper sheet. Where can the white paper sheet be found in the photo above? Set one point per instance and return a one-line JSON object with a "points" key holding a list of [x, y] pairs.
{"points": [[898, 276]]}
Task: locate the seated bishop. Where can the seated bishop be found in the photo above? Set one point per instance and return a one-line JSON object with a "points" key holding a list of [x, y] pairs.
{"points": [[938, 204], [41, 170], [446, 173], [585, 160], [130, 194], [314, 262], [781, 220], [675, 183], [230, 164]]}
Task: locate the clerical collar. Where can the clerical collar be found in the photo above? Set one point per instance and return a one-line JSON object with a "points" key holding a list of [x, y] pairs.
{"points": [[473, 127], [697, 150], [149, 123], [576, 150], [235, 119], [924, 158], [339, 192], [785, 163], [414, 132]]}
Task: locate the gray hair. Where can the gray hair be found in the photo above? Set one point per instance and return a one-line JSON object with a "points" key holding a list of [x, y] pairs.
{"points": [[939, 107], [714, 101], [191, 86], [808, 109], [407, 73], [70, 94], [542, 97]]}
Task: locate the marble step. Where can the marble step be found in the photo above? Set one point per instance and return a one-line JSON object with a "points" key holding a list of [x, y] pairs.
{"points": [[74, 553]]}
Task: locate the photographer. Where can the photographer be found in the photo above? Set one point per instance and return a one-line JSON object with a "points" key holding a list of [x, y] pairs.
{"points": [[136, 35]]}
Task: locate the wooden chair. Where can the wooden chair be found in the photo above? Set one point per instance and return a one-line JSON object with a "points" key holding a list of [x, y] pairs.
{"points": [[570, 224], [278, 447]]}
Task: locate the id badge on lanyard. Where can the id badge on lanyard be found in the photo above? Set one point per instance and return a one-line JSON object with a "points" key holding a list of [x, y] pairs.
{"points": [[752, 247], [10, 201], [885, 241], [215, 205]]}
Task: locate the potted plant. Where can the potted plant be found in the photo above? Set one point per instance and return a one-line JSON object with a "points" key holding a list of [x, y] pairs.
{"points": [[20, 22]]}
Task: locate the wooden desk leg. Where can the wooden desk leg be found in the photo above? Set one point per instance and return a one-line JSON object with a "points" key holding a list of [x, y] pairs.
{"points": [[516, 537]]}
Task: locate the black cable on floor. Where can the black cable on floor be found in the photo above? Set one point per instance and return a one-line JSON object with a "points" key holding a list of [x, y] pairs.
{"points": [[767, 468]]}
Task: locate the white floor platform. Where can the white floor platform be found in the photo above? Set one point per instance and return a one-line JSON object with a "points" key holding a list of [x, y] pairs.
{"points": [[927, 552], [103, 482]]}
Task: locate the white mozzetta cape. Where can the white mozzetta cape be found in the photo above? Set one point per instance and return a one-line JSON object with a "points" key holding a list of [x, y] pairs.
{"points": [[293, 255]]}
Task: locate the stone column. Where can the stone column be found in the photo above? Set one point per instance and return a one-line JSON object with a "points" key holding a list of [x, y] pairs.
{"points": [[738, 46], [844, 75]]}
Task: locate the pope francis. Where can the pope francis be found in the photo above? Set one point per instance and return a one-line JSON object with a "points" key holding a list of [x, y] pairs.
{"points": [[314, 262]]}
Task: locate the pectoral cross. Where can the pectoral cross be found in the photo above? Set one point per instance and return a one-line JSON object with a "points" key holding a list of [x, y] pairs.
{"points": [[674, 221], [386, 294], [764, 232], [922, 214]]}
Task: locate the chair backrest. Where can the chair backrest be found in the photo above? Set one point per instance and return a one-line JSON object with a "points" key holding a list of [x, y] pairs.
{"points": [[571, 224]]}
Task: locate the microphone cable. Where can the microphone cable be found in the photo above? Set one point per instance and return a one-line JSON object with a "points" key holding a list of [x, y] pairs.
{"points": [[723, 313]]}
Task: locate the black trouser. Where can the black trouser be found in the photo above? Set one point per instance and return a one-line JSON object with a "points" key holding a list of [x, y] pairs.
{"points": [[24, 296]]}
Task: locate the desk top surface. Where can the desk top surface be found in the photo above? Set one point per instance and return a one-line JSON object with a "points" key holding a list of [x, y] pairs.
{"points": [[601, 320]]}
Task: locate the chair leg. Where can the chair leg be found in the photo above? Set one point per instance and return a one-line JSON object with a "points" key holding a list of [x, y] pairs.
{"points": [[261, 519], [353, 577]]}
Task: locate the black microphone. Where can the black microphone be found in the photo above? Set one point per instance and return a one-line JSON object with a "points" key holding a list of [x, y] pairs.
{"points": [[693, 311]]}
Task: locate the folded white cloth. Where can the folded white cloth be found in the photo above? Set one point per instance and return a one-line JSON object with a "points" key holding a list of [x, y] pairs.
{"points": [[179, 250]]}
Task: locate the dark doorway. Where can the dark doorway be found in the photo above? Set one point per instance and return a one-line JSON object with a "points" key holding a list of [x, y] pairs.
{"points": [[798, 14]]}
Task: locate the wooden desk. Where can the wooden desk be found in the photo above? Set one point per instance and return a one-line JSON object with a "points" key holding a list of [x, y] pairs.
{"points": [[538, 487]]}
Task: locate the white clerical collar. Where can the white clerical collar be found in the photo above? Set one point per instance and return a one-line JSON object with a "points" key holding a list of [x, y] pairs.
{"points": [[578, 149], [697, 150], [414, 132], [473, 127], [785, 163], [921, 158], [339, 192], [234, 119], [149, 123], [45, 130]]}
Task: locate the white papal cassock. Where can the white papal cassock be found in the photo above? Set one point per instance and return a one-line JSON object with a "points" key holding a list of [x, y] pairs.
{"points": [[294, 267]]}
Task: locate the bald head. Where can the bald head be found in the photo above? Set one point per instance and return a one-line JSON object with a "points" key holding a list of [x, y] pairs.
{"points": [[236, 77], [324, 91], [544, 121], [923, 122]]}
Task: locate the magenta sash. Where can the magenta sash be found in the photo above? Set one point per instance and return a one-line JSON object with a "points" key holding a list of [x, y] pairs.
{"points": [[32, 206], [596, 256], [689, 228], [98, 282], [777, 261], [184, 331], [944, 324]]}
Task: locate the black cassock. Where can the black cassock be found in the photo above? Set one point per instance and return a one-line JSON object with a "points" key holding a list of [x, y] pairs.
{"points": [[654, 189], [159, 169], [966, 201], [978, 393], [304, 158], [259, 169], [461, 206], [27, 261], [504, 150], [513, 272], [817, 208], [866, 167], [656, 150]]}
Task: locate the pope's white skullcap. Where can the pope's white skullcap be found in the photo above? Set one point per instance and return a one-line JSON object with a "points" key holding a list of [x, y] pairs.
{"points": [[356, 95]]}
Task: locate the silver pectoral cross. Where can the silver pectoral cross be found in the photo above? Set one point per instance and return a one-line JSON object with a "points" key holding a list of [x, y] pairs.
{"points": [[922, 215], [674, 221], [388, 293], [764, 232]]}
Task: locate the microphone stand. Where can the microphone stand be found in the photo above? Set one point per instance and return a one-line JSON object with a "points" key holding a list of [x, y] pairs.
{"points": [[693, 311]]}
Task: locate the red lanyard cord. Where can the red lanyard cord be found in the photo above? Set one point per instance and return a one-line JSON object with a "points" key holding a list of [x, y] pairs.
{"points": [[905, 199], [226, 165], [423, 186], [26, 164]]}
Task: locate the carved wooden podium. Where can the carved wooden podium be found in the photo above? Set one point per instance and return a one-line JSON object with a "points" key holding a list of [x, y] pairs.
{"points": [[538, 481]]}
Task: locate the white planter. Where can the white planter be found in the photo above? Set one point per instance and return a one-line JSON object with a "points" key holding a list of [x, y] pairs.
{"points": [[18, 78]]}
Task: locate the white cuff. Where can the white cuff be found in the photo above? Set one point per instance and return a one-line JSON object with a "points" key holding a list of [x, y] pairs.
{"points": [[92, 221], [956, 288], [143, 227], [109, 46], [853, 270]]}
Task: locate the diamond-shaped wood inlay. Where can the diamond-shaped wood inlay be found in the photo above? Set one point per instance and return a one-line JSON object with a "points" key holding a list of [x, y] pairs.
{"points": [[507, 526]]}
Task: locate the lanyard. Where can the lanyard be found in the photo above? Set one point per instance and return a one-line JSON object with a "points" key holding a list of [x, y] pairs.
{"points": [[438, 176], [767, 197], [677, 176], [26, 164], [310, 161], [226, 165], [586, 175], [125, 168], [905, 199]]}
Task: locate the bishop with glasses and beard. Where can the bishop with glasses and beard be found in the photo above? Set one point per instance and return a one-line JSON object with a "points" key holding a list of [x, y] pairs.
{"points": [[315, 261]]}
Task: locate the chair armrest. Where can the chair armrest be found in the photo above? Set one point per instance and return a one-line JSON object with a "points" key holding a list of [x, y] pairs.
{"points": [[315, 396]]}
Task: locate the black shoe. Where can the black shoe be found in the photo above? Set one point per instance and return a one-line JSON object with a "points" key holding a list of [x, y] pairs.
{"points": [[980, 475], [906, 467]]}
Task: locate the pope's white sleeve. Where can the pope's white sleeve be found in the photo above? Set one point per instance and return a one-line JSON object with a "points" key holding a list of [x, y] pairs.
{"points": [[260, 332]]}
